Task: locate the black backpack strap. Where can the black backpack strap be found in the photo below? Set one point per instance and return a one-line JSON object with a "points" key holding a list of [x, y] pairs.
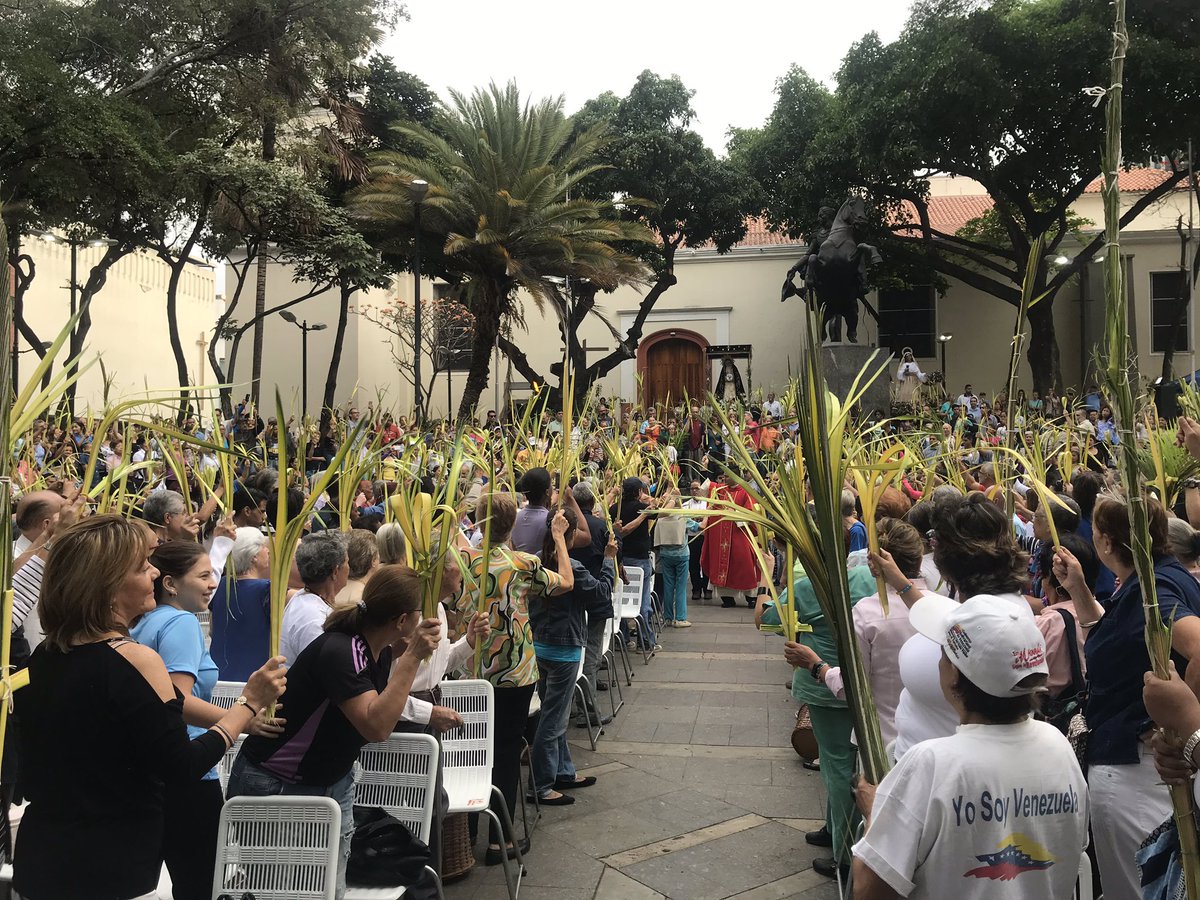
{"points": [[1072, 640]]}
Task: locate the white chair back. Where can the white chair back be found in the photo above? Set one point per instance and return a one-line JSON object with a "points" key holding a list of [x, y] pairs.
{"points": [[399, 776], [224, 694], [278, 848], [629, 594], [467, 752]]}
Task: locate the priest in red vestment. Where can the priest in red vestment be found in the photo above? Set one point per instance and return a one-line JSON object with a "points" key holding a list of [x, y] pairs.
{"points": [[728, 558]]}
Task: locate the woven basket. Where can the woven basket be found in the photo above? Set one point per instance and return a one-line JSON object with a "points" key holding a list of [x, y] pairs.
{"points": [[458, 856]]}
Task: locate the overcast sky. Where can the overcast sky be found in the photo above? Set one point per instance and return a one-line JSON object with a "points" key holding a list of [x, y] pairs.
{"points": [[730, 54]]}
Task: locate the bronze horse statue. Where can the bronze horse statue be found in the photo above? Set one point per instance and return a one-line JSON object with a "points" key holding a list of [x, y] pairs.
{"points": [[835, 270]]}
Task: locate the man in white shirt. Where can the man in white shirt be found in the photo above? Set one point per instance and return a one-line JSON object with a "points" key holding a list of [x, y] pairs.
{"points": [[773, 407], [33, 517], [964, 399], [324, 568], [997, 810]]}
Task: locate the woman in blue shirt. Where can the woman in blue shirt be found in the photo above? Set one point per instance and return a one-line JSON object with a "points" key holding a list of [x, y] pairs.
{"points": [[184, 587], [1128, 797]]}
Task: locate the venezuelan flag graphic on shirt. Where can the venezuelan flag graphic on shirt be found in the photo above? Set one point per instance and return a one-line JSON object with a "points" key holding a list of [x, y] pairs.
{"points": [[1015, 855]]}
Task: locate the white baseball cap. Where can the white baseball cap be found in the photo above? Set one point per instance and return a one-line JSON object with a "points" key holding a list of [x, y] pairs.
{"points": [[993, 641]]}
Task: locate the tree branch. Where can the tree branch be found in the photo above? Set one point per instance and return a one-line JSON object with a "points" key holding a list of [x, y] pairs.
{"points": [[519, 360]]}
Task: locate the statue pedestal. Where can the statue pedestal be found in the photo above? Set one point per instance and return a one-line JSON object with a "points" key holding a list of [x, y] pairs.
{"points": [[842, 362]]}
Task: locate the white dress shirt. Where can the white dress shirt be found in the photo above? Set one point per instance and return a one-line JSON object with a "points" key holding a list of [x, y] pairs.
{"points": [[303, 622], [446, 656]]}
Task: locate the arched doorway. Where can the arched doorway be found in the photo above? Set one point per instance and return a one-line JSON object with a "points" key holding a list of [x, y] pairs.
{"points": [[673, 364]]}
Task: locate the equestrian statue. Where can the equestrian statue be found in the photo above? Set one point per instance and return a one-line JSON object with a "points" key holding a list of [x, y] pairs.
{"points": [[835, 270]]}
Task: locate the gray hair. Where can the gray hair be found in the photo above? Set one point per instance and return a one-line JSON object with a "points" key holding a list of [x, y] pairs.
{"points": [[584, 495], [944, 493], [848, 508], [390, 538], [246, 546], [362, 550], [161, 504], [319, 556]]}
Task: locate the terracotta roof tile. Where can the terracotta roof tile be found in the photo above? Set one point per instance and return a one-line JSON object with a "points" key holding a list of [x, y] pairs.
{"points": [[949, 214], [1134, 180]]}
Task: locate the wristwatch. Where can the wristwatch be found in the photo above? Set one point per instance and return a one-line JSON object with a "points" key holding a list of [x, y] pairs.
{"points": [[1189, 748], [242, 701]]}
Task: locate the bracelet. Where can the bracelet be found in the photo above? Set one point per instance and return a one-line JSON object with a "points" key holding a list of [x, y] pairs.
{"points": [[220, 728], [816, 669], [904, 590], [1190, 747], [242, 701]]}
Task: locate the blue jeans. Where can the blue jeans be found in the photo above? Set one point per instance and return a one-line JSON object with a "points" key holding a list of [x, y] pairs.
{"points": [[645, 633], [248, 780], [675, 562], [550, 757]]}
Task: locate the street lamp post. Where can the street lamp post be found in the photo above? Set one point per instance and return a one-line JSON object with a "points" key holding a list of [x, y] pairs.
{"points": [[305, 328], [418, 189], [944, 338]]}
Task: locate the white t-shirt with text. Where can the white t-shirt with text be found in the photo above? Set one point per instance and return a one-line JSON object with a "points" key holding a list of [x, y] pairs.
{"points": [[994, 811]]}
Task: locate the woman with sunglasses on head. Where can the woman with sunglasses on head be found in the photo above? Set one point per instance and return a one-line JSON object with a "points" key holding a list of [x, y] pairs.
{"points": [[100, 799]]}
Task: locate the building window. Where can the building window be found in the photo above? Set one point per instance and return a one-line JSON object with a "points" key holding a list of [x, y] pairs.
{"points": [[908, 318], [454, 328], [1167, 289]]}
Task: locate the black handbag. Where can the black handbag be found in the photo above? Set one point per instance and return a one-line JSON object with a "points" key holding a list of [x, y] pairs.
{"points": [[383, 852], [1065, 712]]}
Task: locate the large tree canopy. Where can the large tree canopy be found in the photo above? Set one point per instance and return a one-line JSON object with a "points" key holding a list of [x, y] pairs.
{"points": [[990, 91], [503, 211]]}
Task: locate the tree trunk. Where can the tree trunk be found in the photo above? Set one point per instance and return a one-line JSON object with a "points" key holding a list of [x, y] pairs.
{"points": [[487, 326], [23, 277], [178, 262], [1045, 364], [260, 285], [330, 397]]}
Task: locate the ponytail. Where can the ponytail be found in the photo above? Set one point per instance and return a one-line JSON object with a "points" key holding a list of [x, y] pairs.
{"points": [[391, 592]]}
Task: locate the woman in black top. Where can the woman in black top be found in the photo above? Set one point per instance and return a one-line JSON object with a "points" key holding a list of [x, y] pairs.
{"points": [[340, 698], [632, 522], [102, 725]]}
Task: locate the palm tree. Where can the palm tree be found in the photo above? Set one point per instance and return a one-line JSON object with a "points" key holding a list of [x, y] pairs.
{"points": [[501, 173]]}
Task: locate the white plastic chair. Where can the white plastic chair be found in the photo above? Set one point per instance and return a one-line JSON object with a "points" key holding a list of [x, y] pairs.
{"points": [[467, 756], [629, 606], [278, 848], [586, 694], [399, 776], [609, 655], [224, 694]]}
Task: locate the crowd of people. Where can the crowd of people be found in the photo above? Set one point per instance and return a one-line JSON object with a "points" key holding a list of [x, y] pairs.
{"points": [[995, 631]]}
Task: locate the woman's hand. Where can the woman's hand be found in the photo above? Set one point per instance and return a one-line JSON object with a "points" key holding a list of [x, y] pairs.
{"points": [[1171, 703], [478, 629], [225, 528], [558, 525], [1068, 571], [266, 726], [799, 656], [1189, 436], [423, 641], [265, 685], [882, 564], [1168, 758], [864, 795]]}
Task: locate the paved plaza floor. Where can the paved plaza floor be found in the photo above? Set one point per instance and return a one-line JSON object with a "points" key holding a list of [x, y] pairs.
{"points": [[699, 794]]}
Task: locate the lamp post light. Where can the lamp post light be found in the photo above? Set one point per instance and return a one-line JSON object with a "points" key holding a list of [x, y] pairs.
{"points": [[944, 338], [305, 328], [417, 190]]}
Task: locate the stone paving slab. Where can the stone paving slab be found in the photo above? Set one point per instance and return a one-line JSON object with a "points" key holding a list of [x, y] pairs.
{"points": [[699, 793]]}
